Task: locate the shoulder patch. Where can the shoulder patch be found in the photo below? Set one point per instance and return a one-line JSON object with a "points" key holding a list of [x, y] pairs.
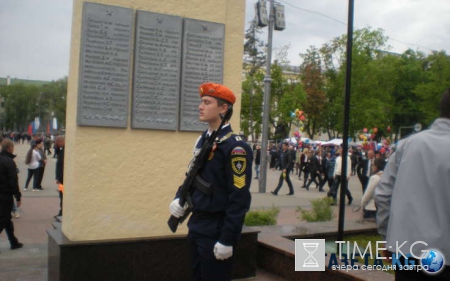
{"points": [[238, 151]]}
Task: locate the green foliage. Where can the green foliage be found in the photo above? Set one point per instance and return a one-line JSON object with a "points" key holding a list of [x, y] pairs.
{"points": [[263, 217], [321, 210], [25, 102]]}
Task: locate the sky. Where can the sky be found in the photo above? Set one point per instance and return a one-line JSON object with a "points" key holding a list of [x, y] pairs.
{"points": [[35, 35]]}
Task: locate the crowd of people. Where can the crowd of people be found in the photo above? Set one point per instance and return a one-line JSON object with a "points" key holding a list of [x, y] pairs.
{"points": [[322, 165]]}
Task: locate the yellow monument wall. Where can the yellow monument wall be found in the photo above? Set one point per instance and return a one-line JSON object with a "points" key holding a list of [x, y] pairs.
{"points": [[120, 182]]}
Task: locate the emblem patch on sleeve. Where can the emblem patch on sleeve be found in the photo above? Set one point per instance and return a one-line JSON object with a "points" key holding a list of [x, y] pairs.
{"points": [[239, 164], [238, 151], [239, 181]]}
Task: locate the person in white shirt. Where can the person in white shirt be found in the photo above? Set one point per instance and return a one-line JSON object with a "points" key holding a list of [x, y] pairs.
{"points": [[367, 201], [337, 178], [413, 196]]}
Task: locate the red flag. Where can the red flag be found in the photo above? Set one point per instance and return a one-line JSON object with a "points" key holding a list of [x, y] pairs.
{"points": [[48, 128], [30, 130]]}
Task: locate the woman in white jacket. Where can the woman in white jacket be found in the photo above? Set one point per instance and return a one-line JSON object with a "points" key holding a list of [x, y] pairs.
{"points": [[32, 160], [368, 203]]}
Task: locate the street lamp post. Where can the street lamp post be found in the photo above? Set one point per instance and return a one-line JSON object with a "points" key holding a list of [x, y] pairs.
{"points": [[276, 20], [266, 110]]}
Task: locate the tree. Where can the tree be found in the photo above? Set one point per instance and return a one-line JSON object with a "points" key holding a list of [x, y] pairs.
{"points": [[313, 83], [23, 103], [252, 86], [437, 73], [20, 105], [372, 80], [407, 104]]}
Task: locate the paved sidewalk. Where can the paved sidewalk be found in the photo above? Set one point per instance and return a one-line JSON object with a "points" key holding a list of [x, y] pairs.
{"points": [[38, 209]]}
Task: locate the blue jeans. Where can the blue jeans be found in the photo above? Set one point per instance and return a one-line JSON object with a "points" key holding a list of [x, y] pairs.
{"points": [[257, 170]]}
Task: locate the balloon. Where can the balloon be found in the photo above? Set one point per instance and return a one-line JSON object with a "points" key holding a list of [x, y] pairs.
{"points": [[301, 112], [296, 134], [382, 150], [302, 117], [375, 130], [292, 114], [365, 130], [361, 136], [389, 129]]}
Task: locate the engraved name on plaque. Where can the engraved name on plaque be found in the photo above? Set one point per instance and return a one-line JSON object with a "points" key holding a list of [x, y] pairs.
{"points": [[105, 65], [203, 45], [157, 71]]}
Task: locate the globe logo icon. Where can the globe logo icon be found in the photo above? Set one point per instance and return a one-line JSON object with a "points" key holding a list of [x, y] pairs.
{"points": [[432, 261]]}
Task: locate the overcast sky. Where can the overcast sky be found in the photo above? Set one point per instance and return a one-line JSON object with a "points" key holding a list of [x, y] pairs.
{"points": [[35, 35]]}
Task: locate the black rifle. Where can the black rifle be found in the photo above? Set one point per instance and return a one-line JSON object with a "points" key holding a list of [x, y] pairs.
{"points": [[193, 175]]}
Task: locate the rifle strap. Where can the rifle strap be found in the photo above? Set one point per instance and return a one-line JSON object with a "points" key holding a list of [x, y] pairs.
{"points": [[224, 138]]}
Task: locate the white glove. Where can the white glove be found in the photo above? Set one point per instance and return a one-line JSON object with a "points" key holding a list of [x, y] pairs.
{"points": [[175, 209], [222, 252]]}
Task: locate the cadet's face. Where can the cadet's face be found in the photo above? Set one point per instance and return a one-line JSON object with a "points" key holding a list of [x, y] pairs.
{"points": [[209, 110]]}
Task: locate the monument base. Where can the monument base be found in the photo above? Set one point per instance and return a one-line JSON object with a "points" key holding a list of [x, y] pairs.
{"points": [[154, 258]]}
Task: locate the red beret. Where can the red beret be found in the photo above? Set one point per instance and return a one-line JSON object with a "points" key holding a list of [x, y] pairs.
{"points": [[217, 91]]}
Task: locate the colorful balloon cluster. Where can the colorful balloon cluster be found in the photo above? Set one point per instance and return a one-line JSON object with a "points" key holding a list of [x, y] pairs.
{"points": [[299, 114]]}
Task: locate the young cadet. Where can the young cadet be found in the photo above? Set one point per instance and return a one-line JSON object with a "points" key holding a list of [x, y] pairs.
{"points": [[216, 222]]}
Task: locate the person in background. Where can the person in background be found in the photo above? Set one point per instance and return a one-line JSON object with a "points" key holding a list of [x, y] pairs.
{"points": [[59, 170], [42, 163], [329, 168], [365, 169], [315, 170], [367, 201], [337, 178], [286, 165], [257, 160], [32, 160], [9, 188], [304, 166], [413, 195]]}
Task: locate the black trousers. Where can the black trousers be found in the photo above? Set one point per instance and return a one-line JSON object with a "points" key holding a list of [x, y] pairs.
{"points": [[335, 187], [60, 203], [314, 175], [33, 173], [204, 265], [287, 179], [305, 177], [6, 204], [41, 171]]}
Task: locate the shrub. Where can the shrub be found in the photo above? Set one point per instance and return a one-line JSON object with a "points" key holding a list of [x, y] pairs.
{"points": [[321, 210], [262, 217]]}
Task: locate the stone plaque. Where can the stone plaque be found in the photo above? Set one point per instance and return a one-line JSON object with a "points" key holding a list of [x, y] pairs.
{"points": [[106, 35], [157, 62], [203, 45]]}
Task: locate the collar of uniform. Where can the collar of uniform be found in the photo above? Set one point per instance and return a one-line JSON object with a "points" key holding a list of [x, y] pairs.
{"points": [[225, 130], [208, 132]]}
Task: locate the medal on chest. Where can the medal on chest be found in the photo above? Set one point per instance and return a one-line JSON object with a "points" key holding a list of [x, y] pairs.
{"points": [[211, 154]]}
